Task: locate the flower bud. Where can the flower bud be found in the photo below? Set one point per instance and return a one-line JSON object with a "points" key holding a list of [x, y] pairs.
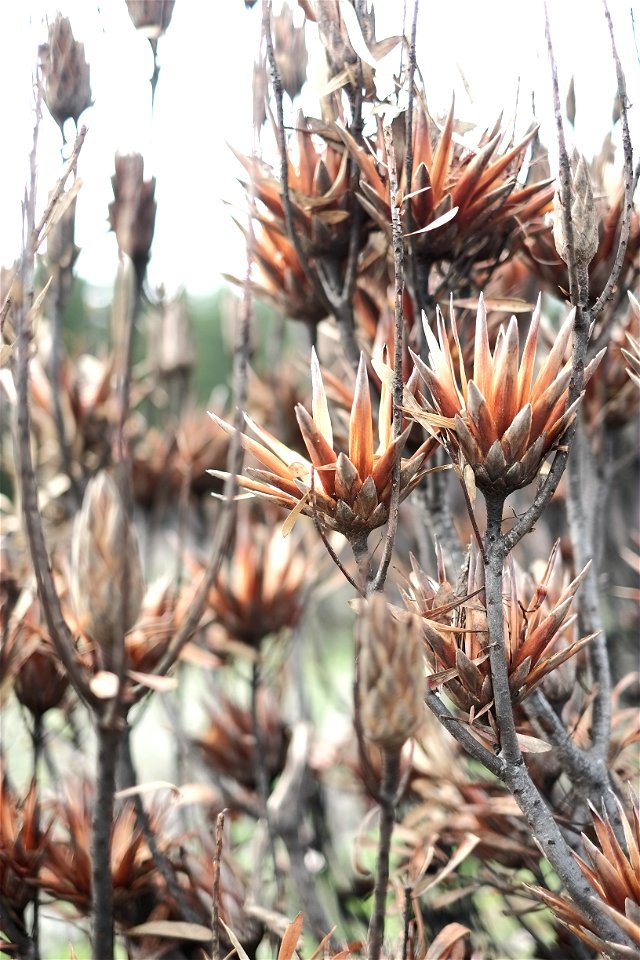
{"points": [[107, 585], [391, 682], [583, 216], [132, 214], [67, 86]]}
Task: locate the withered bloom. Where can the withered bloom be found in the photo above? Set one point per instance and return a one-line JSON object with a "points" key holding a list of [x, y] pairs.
{"points": [[322, 204], [391, 681], [502, 418], [228, 742], [612, 868], [24, 845], [463, 203], [67, 86], [39, 678], [262, 587], [350, 491], [132, 213], [151, 17], [457, 633], [106, 582]]}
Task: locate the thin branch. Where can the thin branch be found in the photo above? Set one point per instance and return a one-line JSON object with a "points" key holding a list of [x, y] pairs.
{"points": [[57, 627], [398, 383], [387, 799], [493, 569], [628, 179], [589, 617], [461, 734], [216, 953], [102, 936]]}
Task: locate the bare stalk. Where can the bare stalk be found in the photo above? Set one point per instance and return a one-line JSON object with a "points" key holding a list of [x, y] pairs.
{"points": [[398, 383], [216, 953], [57, 627], [102, 938], [388, 800]]}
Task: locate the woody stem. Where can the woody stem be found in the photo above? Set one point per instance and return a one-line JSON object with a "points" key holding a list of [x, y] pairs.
{"points": [[387, 797]]}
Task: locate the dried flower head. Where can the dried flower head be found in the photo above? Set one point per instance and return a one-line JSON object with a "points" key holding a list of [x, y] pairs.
{"points": [[24, 845], [262, 586], [464, 204], [504, 419], [67, 86], [39, 679], [612, 868], [582, 214], [391, 684], [228, 743], [106, 581], [151, 17], [132, 213], [351, 492], [456, 630], [66, 873]]}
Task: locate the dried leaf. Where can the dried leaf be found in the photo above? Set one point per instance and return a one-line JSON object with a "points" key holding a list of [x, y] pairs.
{"points": [[435, 224], [153, 681], [180, 930], [290, 939], [242, 954]]}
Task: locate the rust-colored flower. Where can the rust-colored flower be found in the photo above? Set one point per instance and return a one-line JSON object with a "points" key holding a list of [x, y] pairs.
{"points": [[464, 204], [612, 868], [611, 396], [29, 656], [262, 586], [24, 846], [132, 213], [502, 418], [66, 874], [67, 86], [457, 633], [391, 683], [350, 491], [322, 206], [228, 745]]}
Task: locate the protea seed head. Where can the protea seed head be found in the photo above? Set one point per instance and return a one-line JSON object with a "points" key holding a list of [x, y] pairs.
{"points": [[107, 585]]}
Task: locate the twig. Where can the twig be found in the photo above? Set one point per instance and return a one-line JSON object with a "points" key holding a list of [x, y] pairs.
{"points": [[37, 737], [102, 938], [460, 733], [589, 617], [398, 383], [216, 953], [493, 568], [387, 799], [58, 630], [628, 179]]}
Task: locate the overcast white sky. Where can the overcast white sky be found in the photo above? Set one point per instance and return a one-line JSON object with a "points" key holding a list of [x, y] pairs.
{"points": [[203, 102]]}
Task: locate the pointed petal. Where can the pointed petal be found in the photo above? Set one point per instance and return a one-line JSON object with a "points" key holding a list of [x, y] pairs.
{"points": [[319, 405], [504, 400], [361, 425], [482, 364], [525, 374], [556, 358], [322, 455]]}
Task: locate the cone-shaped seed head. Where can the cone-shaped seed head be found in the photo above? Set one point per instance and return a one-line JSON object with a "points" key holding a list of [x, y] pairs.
{"points": [[67, 85], [106, 594], [583, 217], [391, 674]]}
